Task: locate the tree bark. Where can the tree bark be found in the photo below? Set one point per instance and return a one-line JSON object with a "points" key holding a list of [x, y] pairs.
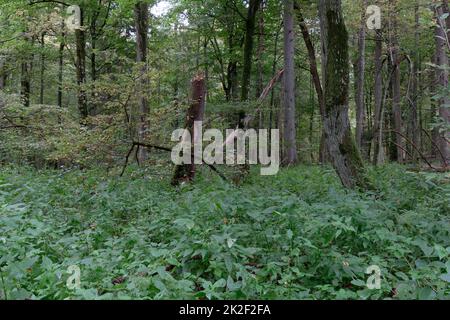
{"points": [[80, 39], [413, 123], [141, 22], [42, 73], [60, 69], [360, 78], [378, 100], [25, 85], [186, 172], [3, 72], [248, 47], [442, 62], [396, 83], [290, 142], [340, 143]]}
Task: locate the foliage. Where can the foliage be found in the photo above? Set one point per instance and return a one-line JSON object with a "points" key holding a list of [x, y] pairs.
{"points": [[139, 238]]}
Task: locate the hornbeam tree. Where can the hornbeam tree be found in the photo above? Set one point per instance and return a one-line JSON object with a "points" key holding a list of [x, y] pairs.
{"points": [[340, 144]]}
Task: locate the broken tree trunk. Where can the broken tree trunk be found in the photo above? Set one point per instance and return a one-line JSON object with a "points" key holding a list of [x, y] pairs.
{"points": [[186, 172]]}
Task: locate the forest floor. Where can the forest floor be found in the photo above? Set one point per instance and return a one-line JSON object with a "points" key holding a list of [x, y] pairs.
{"points": [[298, 235]]}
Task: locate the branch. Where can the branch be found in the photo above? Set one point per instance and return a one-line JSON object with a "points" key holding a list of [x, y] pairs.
{"points": [[150, 146]]}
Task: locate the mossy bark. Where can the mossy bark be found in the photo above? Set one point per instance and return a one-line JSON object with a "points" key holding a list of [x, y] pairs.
{"points": [[340, 143], [186, 172]]}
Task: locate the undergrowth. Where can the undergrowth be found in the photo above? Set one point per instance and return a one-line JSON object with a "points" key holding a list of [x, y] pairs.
{"points": [[298, 235]]}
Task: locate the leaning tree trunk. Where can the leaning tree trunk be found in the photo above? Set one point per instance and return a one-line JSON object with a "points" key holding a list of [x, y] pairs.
{"points": [[141, 21], [442, 80], [340, 143], [315, 75], [186, 172], [290, 142]]}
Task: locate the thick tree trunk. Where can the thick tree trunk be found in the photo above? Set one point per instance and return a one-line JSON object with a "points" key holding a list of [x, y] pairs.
{"points": [[360, 78], [344, 154], [290, 142], [442, 62], [248, 47], [80, 39], [378, 154], [186, 172], [141, 21]]}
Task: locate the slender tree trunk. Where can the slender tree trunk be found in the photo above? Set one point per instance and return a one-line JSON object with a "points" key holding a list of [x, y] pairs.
{"points": [[25, 85], [360, 78], [396, 83], [60, 71], [290, 141], [42, 73], [324, 156], [442, 62], [312, 59], [318, 84], [3, 72], [341, 146], [141, 21], [378, 100], [260, 53], [413, 130], [248, 47], [80, 40], [186, 172]]}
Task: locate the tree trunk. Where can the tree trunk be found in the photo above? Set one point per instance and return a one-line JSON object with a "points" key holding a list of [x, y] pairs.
{"points": [[360, 78], [397, 124], [312, 59], [60, 69], [378, 98], [80, 40], [42, 73], [340, 143], [141, 21], [442, 81], [186, 172], [25, 85], [324, 156], [290, 142], [413, 124], [248, 47], [3, 73]]}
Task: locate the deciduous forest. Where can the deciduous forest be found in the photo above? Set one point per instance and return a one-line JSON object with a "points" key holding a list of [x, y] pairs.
{"points": [[351, 98]]}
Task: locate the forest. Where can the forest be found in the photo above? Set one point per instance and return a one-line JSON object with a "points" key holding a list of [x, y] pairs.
{"points": [[224, 150]]}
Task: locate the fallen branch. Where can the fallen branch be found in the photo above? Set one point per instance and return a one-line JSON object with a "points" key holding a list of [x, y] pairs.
{"points": [[415, 147], [150, 146], [436, 146]]}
